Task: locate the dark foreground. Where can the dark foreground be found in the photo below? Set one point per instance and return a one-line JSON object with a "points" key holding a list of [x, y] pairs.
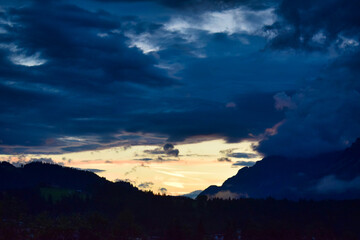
{"points": [[49, 202], [42, 214]]}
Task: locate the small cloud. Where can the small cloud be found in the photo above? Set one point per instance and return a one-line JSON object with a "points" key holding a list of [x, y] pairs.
{"points": [[27, 61], [132, 170], [243, 164], [319, 38], [125, 147], [161, 159], [144, 159], [170, 150], [167, 149], [242, 155], [227, 151], [94, 170], [162, 190], [157, 159], [224, 159], [145, 185], [102, 35]]}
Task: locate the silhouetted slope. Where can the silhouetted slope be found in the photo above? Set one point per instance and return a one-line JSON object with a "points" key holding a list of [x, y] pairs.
{"points": [[333, 175], [37, 174]]}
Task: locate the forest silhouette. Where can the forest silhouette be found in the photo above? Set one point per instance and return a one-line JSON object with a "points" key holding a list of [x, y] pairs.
{"points": [[47, 201]]}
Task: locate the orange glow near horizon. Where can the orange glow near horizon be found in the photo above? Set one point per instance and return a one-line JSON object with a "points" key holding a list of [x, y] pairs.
{"points": [[195, 168]]}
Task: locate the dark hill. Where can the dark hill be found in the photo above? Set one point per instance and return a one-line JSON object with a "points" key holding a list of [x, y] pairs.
{"points": [[334, 175], [37, 174]]}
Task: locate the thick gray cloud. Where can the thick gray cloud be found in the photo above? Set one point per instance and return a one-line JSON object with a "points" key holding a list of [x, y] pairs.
{"points": [[312, 24], [326, 116], [72, 83]]}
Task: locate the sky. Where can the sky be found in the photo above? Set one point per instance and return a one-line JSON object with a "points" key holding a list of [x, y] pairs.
{"points": [[175, 96]]}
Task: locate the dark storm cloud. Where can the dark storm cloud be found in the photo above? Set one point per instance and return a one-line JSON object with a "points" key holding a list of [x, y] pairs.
{"points": [[316, 24], [70, 43], [60, 78], [325, 116], [254, 113], [69, 81]]}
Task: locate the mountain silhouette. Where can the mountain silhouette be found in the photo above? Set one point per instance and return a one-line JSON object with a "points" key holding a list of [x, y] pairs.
{"points": [[47, 201], [334, 175], [38, 174]]}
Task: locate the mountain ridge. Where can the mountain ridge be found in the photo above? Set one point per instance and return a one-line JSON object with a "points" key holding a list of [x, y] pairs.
{"points": [[334, 175], [38, 174]]}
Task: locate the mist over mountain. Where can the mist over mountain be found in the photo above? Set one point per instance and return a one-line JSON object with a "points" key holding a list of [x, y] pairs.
{"points": [[333, 175], [192, 194]]}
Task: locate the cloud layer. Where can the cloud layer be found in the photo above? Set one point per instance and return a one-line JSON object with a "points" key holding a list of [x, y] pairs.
{"points": [[76, 77]]}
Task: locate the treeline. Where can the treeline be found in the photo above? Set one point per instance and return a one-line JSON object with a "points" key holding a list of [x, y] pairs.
{"points": [[118, 211]]}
